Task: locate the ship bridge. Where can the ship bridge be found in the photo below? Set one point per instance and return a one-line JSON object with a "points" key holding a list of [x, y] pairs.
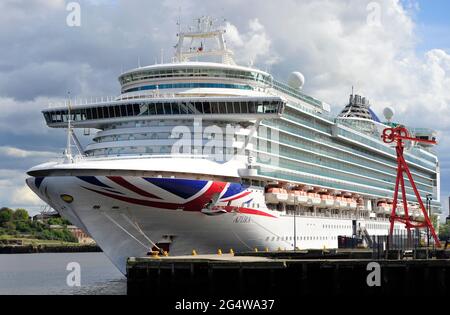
{"points": [[233, 109]]}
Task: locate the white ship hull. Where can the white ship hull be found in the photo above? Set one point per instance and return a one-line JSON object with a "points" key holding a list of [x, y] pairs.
{"points": [[110, 213]]}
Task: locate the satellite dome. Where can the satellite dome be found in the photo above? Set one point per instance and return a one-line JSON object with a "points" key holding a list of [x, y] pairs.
{"points": [[296, 80], [388, 113]]}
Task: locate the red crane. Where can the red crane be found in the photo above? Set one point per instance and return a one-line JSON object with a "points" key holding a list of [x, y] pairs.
{"points": [[400, 135]]}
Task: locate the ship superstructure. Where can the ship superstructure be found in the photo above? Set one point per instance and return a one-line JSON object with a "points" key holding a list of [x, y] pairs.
{"points": [[205, 154]]}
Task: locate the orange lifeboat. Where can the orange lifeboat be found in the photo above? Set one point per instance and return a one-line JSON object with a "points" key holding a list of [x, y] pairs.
{"points": [[314, 199], [301, 197]]}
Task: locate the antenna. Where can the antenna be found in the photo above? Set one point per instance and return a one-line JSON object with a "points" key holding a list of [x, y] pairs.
{"points": [[192, 44], [179, 20], [69, 129]]}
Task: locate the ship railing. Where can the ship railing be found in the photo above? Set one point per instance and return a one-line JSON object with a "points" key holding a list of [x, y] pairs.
{"points": [[105, 157], [325, 215], [299, 106], [98, 100]]}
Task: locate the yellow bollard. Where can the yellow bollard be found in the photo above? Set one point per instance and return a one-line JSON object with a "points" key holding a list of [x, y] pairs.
{"points": [[219, 252], [256, 250], [231, 251], [155, 254], [194, 253], [267, 249]]}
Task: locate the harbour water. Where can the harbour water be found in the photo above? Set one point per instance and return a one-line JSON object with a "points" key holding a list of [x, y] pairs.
{"points": [[46, 274]]}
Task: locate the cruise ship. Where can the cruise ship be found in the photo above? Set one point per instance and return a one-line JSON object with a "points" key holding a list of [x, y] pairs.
{"points": [[203, 154]]}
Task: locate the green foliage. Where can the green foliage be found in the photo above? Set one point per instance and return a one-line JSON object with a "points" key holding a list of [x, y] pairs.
{"points": [[17, 223], [444, 231], [6, 215], [61, 235], [23, 226], [9, 227], [57, 221], [21, 215]]}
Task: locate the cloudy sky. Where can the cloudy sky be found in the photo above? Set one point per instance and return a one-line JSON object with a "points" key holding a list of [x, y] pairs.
{"points": [[394, 52]]}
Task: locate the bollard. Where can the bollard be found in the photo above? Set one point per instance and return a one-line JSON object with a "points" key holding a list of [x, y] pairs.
{"points": [[155, 254]]}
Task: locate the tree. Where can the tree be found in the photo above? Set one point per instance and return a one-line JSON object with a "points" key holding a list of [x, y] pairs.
{"points": [[444, 231], [6, 215], [10, 227], [23, 226], [55, 221], [21, 215]]}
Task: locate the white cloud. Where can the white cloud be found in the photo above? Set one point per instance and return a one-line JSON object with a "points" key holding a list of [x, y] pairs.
{"points": [[23, 195], [253, 46], [14, 192], [19, 153]]}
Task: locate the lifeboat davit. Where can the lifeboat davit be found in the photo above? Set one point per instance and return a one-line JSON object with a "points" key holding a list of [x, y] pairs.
{"points": [[400, 210], [340, 202], [383, 207], [314, 199], [291, 198], [415, 212], [301, 197], [352, 203], [327, 200]]}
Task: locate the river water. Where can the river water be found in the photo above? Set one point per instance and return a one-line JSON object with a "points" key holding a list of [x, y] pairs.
{"points": [[45, 274]]}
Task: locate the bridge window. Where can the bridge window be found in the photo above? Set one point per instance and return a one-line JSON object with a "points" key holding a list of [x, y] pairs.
{"points": [[173, 108], [94, 113], [244, 108], [230, 108], [237, 107], [222, 108], [159, 109], [168, 109], [214, 108], [207, 108]]}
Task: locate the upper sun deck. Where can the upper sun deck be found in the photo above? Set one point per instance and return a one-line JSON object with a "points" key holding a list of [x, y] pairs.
{"points": [[192, 69]]}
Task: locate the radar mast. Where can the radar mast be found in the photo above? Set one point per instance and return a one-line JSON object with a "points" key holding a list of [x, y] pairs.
{"points": [[193, 43]]}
